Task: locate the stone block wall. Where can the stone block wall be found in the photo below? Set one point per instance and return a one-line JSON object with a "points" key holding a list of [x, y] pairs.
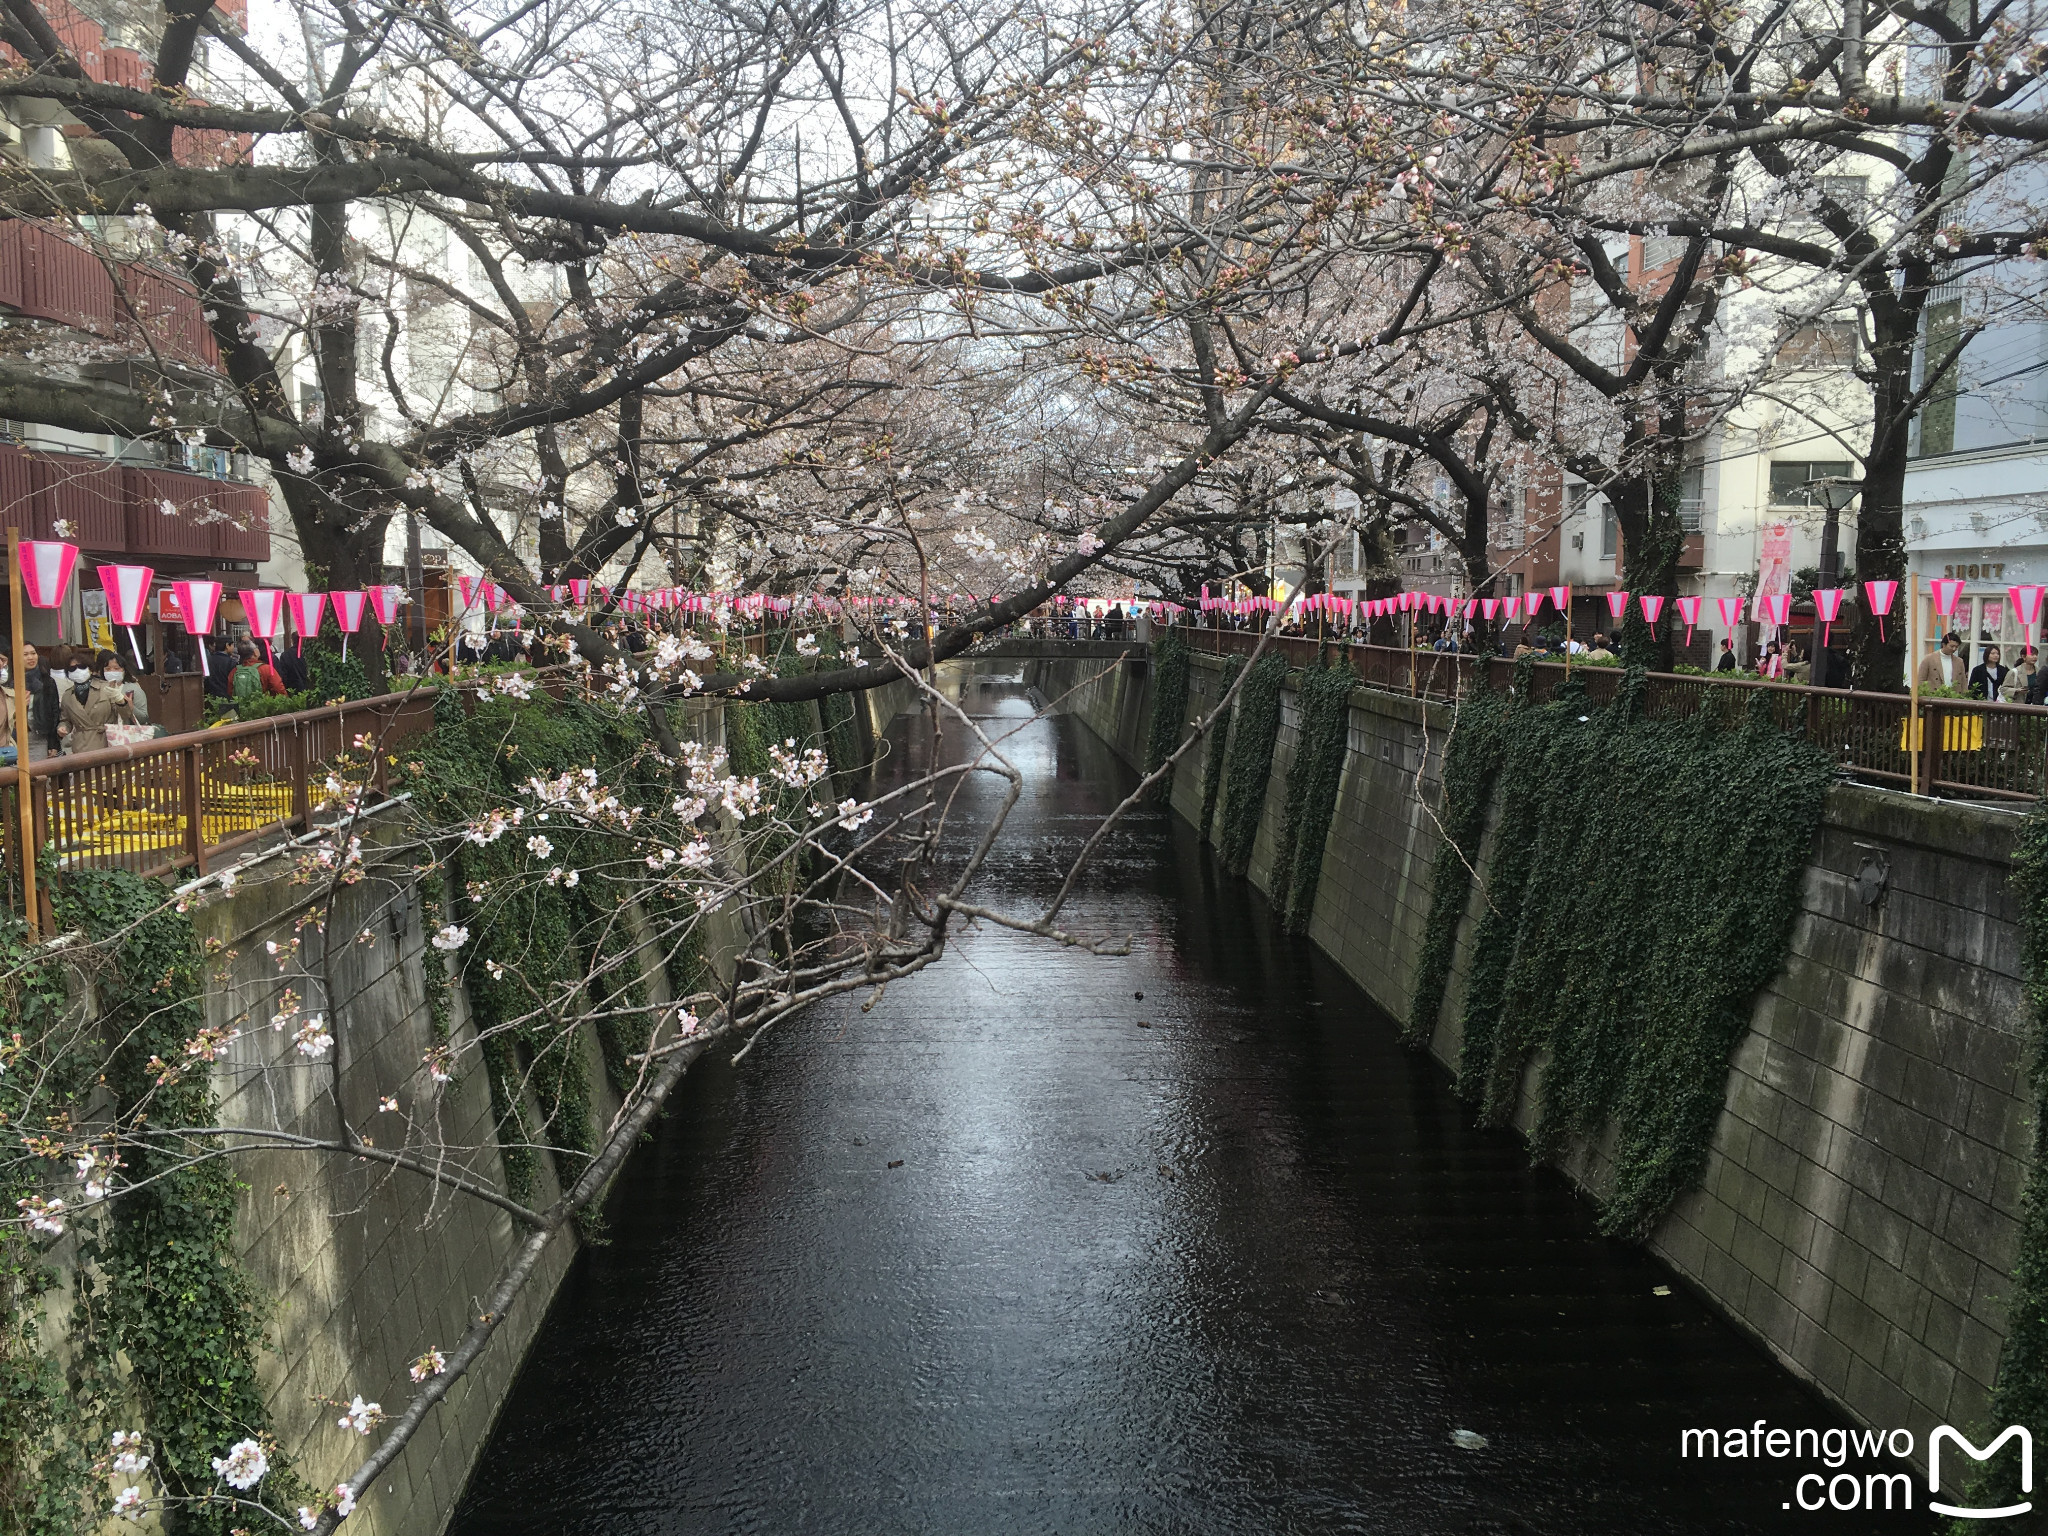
{"points": [[368, 1267]]}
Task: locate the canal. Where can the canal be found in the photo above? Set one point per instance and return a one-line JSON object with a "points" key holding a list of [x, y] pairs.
{"points": [[1184, 1242]]}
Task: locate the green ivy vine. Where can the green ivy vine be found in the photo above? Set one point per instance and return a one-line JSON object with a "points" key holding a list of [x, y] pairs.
{"points": [[2020, 1395], [1321, 745], [160, 1279], [49, 1419], [1251, 761], [1642, 886], [1217, 750], [1170, 670]]}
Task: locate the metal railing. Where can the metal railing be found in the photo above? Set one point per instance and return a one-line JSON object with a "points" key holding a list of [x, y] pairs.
{"points": [[1962, 749], [179, 803]]}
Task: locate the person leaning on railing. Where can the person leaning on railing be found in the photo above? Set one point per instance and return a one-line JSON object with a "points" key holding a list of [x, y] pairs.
{"points": [[6, 714], [90, 703]]}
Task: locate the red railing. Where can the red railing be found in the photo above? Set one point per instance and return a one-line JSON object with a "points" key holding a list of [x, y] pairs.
{"points": [[1965, 749]]}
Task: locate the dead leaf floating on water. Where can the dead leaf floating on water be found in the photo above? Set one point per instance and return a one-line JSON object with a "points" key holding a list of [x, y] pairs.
{"points": [[897, 1164], [1468, 1440]]}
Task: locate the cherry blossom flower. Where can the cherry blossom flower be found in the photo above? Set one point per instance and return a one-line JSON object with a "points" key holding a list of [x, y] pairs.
{"points": [[128, 1457], [243, 1466], [451, 938], [361, 1417], [43, 1215], [387, 1105], [539, 846], [128, 1503], [432, 1363], [313, 1040]]}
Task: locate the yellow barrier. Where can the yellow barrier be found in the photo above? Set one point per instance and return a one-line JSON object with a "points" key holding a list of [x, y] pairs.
{"points": [[1959, 733], [227, 809]]}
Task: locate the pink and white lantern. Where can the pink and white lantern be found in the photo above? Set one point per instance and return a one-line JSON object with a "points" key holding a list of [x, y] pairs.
{"points": [[46, 568], [1947, 592], [1827, 602], [1652, 604], [1689, 610], [198, 602], [1731, 611], [2026, 609], [385, 598], [1775, 608], [305, 609], [348, 614], [1880, 595], [1617, 605], [127, 589], [263, 607]]}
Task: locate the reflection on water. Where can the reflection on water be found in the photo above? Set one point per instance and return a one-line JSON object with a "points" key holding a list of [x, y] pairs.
{"points": [[1220, 1258]]}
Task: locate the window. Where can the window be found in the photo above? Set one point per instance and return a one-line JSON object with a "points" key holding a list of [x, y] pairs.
{"points": [[1692, 498], [1792, 480], [1610, 532], [1819, 344], [1848, 193], [1937, 424]]}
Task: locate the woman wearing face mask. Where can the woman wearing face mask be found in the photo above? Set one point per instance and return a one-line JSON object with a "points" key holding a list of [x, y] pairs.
{"points": [[90, 702], [6, 714]]}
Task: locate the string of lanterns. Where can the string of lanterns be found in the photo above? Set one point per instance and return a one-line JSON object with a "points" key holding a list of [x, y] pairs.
{"points": [[47, 568]]}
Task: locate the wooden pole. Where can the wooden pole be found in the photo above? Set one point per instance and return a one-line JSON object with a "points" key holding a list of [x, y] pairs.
{"points": [[24, 802], [1913, 677]]}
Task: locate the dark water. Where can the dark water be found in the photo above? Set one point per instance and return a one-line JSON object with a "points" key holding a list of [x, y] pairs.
{"points": [[1249, 1269]]}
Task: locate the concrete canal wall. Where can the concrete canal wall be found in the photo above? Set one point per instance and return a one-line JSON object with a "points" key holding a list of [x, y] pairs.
{"points": [[367, 1267], [1859, 1212]]}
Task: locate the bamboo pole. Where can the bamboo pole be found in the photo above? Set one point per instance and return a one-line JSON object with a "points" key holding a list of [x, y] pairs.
{"points": [[1913, 677], [23, 799]]}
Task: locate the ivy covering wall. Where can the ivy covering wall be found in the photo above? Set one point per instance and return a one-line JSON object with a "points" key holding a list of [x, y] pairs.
{"points": [[1324, 739], [1251, 762], [2021, 1393], [1170, 670], [1641, 888], [1218, 748], [166, 1327]]}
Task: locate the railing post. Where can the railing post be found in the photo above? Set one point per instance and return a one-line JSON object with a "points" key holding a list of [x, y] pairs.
{"points": [[295, 766], [42, 916], [1934, 720], [195, 830]]}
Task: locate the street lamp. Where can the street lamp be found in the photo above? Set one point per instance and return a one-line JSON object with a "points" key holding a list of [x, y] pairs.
{"points": [[1835, 493]]}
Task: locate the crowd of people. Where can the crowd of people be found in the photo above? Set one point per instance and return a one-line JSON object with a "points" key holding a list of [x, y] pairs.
{"points": [[74, 694]]}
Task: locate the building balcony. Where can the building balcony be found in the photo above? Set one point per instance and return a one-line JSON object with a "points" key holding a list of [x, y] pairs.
{"points": [[119, 511], [45, 277]]}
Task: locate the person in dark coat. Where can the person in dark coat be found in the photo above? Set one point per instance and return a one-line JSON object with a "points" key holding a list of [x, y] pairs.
{"points": [[43, 715], [220, 662], [1987, 678], [291, 671], [1727, 661]]}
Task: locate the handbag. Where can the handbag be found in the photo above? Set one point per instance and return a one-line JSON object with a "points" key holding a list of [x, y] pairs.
{"points": [[122, 735]]}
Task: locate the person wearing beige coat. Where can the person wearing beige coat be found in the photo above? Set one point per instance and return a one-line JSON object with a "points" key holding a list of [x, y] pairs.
{"points": [[89, 707]]}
